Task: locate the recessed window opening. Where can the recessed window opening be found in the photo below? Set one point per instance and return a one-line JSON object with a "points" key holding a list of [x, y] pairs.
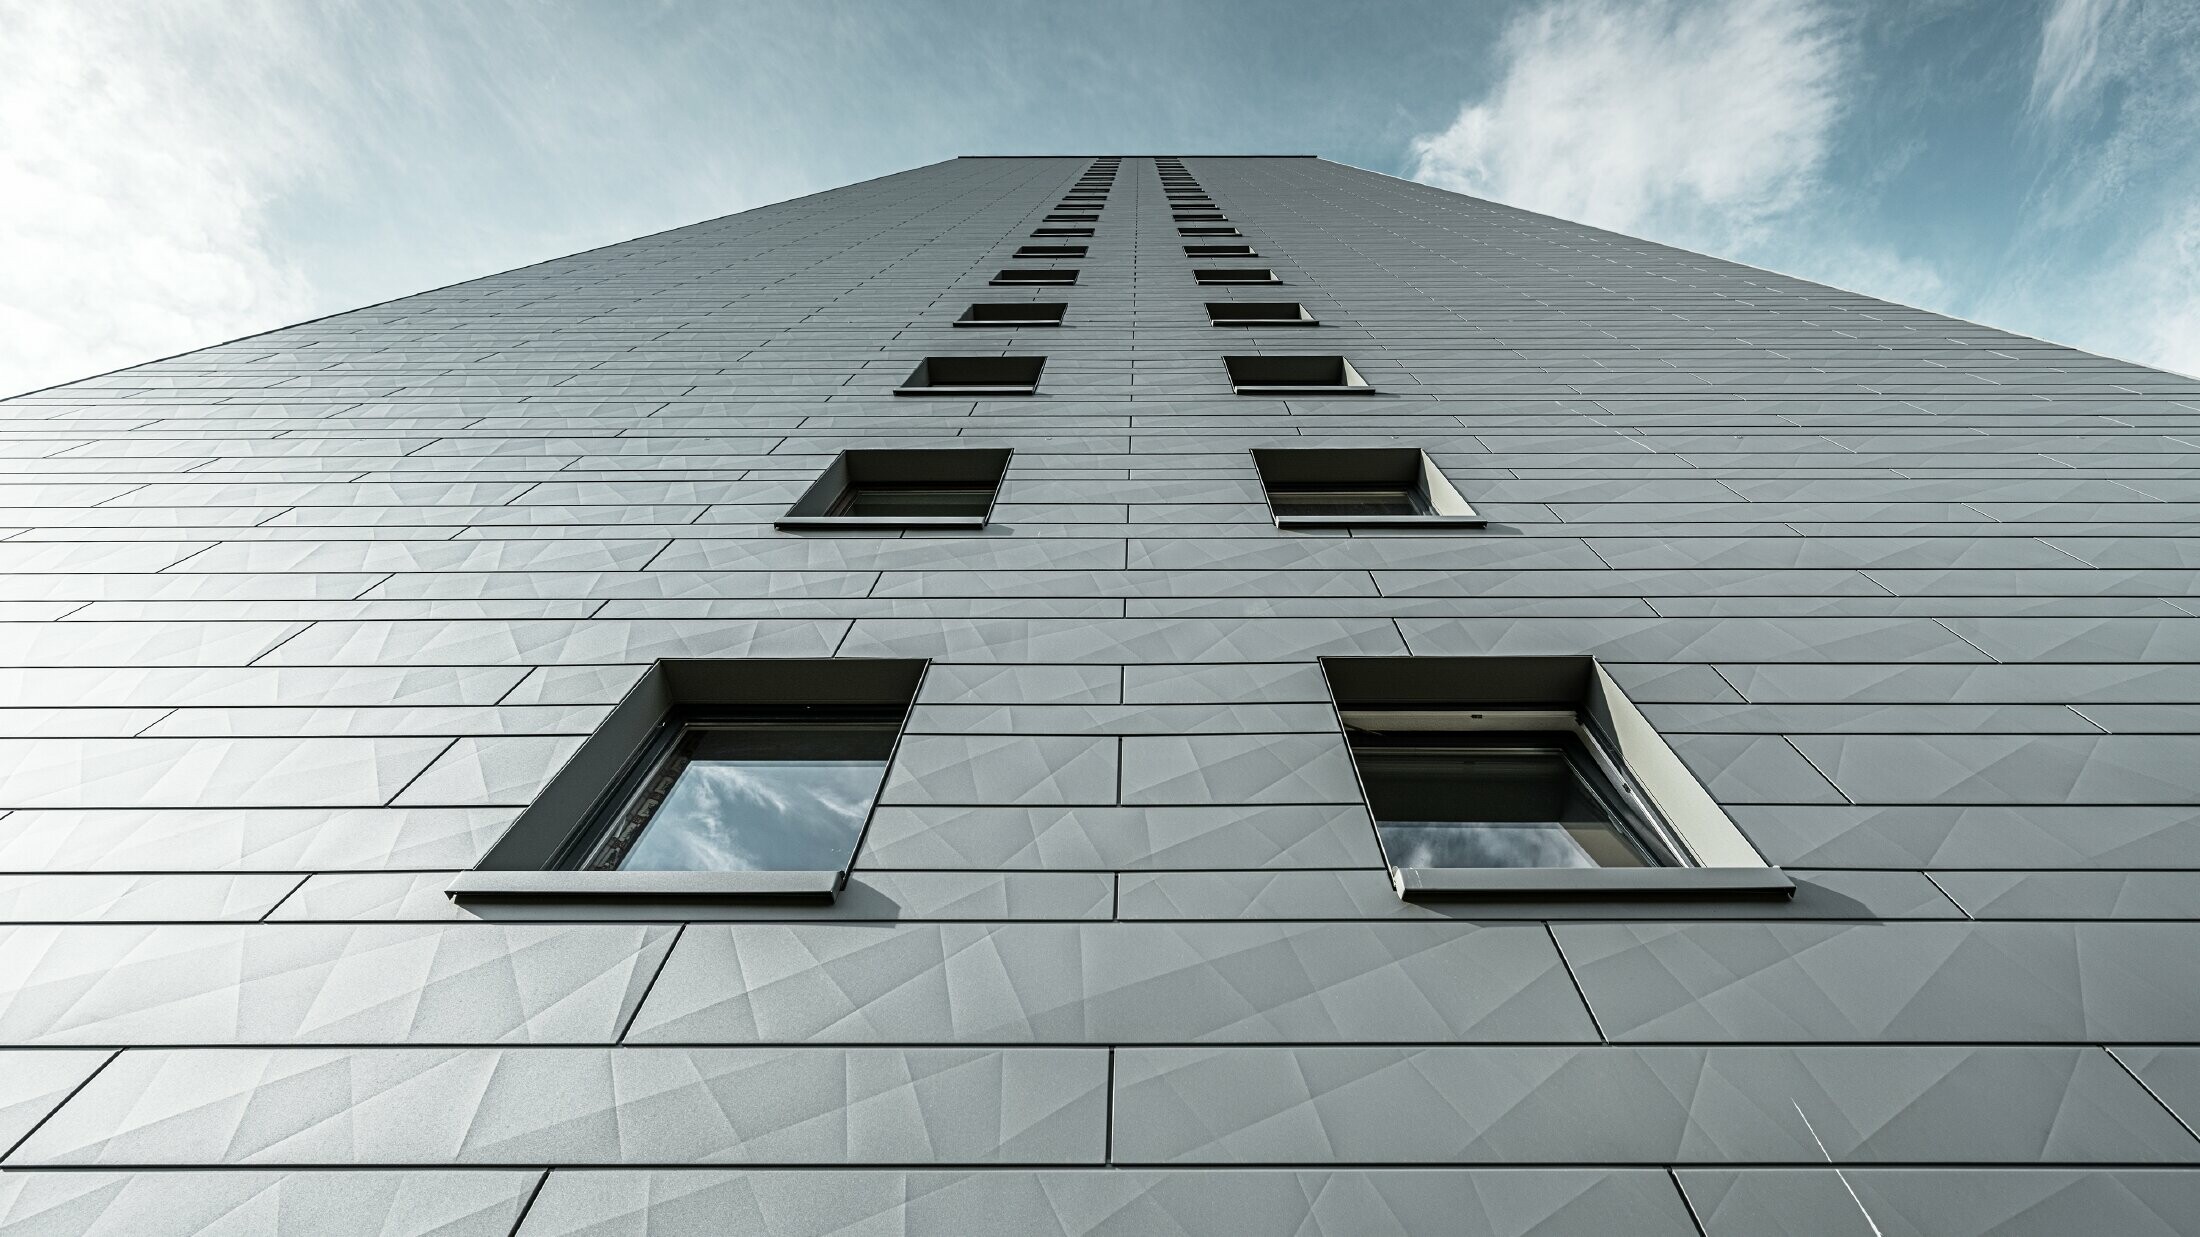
{"points": [[1344, 487], [1292, 375], [1014, 313], [1199, 217], [1260, 313], [1528, 774], [1072, 217], [974, 375], [1050, 251], [1219, 251], [713, 778], [1224, 230], [1234, 274], [1037, 276], [902, 488], [1530, 791], [1061, 231], [745, 790]]}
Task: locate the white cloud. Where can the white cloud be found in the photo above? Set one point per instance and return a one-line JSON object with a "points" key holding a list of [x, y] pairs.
{"points": [[139, 149], [2064, 74], [1702, 118]]}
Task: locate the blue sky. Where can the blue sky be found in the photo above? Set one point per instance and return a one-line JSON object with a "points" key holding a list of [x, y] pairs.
{"points": [[177, 172]]}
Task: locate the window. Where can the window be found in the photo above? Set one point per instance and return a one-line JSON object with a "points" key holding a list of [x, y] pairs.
{"points": [[1036, 277], [1343, 487], [1014, 313], [712, 779], [1260, 313], [974, 375], [1199, 217], [1234, 274], [1295, 375], [1050, 251], [1072, 217], [1219, 251], [1529, 775], [915, 488], [1061, 231], [1223, 230], [746, 790]]}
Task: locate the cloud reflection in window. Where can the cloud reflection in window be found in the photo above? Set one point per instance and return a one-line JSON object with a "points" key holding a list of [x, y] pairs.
{"points": [[759, 816]]}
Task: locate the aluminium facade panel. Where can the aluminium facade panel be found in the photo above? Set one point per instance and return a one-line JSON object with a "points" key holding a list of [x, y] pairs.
{"points": [[297, 624]]}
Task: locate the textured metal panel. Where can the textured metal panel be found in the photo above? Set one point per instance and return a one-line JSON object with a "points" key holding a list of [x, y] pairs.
{"points": [[292, 628]]}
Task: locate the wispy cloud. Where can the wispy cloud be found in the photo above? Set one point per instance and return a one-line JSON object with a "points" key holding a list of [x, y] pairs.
{"points": [[2108, 257], [1747, 129], [1699, 118], [139, 153], [2063, 76]]}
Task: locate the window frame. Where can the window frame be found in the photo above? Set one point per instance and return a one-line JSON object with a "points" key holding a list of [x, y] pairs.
{"points": [[1305, 316], [573, 802], [1409, 692], [906, 467], [1244, 370], [970, 316], [1410, 469], [1035, 277], [1235, 276], [925, 379]]}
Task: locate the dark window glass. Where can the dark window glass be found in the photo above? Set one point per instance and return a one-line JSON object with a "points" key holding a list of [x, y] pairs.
{"points": [[1347, 501], [912, 500], [1495, 799], [748, 794]]}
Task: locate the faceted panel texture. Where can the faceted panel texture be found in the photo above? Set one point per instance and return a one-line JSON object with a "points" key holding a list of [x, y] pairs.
{"points": [[296, 625]]}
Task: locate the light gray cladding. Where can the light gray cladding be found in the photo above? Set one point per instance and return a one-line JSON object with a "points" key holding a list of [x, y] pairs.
{"points": [[372, 1203], [1650, 1105], [485, 1106], [1959, 982], [1946, 1202], [1111, 983], [322, 983], [293, 627], [1113, 1203]]}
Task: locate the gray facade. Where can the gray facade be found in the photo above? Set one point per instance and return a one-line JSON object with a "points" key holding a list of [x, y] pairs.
{"points": [[296, 625]]}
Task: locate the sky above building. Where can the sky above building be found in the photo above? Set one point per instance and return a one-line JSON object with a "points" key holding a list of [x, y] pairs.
{"points": [[178, 172]]}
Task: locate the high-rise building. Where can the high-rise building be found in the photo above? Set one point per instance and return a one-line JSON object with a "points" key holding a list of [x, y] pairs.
{"points": [[1132, 695]]}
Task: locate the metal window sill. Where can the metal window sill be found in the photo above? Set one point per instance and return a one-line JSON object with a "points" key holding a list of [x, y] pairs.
{"points": [[1015, 322], [879, 521], [589, 886], [1381, 521], [1244, 388], [966, 392], [1416, 884], [1265, 322]]}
